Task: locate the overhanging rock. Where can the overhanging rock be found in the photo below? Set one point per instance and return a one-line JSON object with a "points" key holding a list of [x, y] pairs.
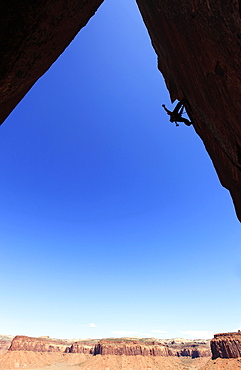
{"points": [[32, 36], [198, 44]]}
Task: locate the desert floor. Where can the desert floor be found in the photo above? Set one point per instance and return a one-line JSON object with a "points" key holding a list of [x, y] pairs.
{"points": [[131, 363]]}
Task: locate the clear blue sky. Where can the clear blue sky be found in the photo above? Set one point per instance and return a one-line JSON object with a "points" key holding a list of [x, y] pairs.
{"points": [[113, 220]]}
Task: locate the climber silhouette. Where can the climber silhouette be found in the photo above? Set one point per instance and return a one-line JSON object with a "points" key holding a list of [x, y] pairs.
{"points": [[176, 115]]}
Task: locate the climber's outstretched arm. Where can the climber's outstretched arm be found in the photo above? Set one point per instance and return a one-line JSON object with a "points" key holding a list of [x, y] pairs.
{"points": [[167, 110]]}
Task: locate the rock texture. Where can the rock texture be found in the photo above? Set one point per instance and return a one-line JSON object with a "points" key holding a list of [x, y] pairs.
{"points": [[192, 350], [42, 344], [226, 345], [81, 347], [122, 346], [198, 44], [32, 36], [46, 344], [151, 348], [130, 348]]}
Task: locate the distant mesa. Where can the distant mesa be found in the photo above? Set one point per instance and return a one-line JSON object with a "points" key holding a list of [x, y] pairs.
{"points": [[113, 346], [40, 344]]}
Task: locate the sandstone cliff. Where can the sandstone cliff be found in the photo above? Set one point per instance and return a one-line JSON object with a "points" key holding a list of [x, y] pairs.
{"points": [[199, 54], [192, 350], [46, 344], [151, 348], [23, 343], [32, 36], [81, 347], [122, 346], [130, 348], [226, 345]]}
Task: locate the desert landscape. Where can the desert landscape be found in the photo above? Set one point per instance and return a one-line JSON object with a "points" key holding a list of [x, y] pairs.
{"points": [[45, 353], [112, 353]]}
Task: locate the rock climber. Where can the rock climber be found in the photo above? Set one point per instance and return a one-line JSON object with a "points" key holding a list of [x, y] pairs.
{"points": [[176, 115]]}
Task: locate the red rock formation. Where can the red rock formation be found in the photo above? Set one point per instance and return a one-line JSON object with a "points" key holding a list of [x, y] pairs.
{"points": [[32, 36], [81, 347], [192, 351], [199, 55], [23, 343], [226, 345], [127, 347], [46, 344], [130, 348], [147, 348]]}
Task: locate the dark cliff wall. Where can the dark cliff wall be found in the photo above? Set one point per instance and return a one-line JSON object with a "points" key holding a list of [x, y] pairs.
{"points": [[32, 36], [199, 54], [227, 345]]}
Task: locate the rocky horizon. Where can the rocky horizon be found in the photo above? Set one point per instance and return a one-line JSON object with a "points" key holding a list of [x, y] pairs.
{"points": [[221, 352], [114, 346]]}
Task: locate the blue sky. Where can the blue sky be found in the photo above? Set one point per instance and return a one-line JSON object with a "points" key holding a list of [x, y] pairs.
{"points": [[113, 220]]}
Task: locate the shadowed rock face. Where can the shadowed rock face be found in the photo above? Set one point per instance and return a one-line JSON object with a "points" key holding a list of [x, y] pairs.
{"points": [[199, 54], [198, 47], [32, 36], [227, 345]]}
